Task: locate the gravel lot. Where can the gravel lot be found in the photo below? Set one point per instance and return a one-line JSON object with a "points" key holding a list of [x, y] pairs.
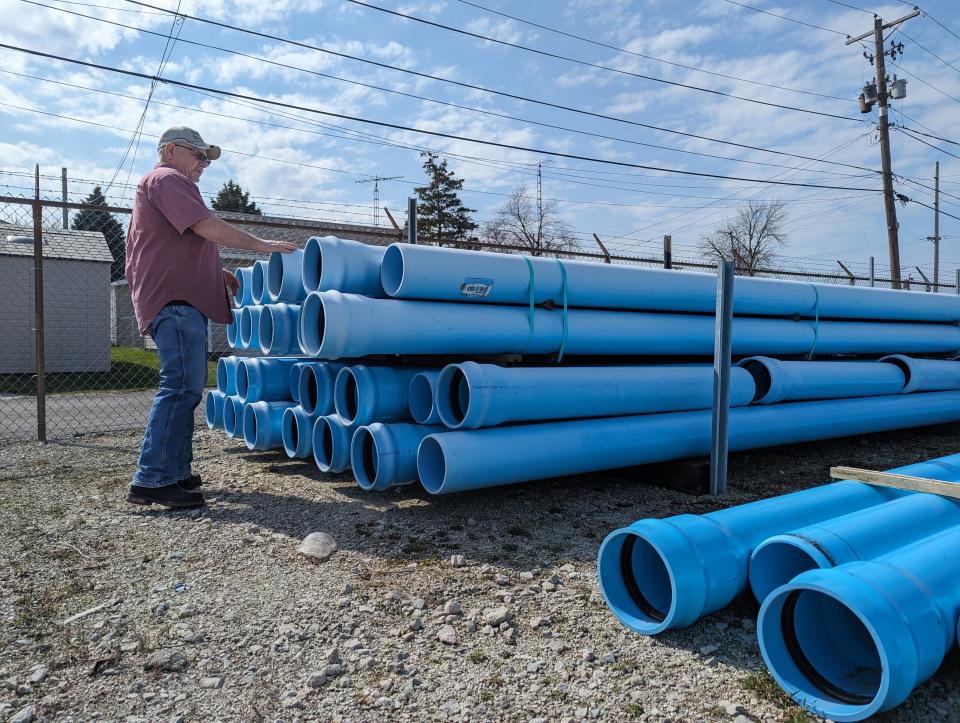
{"points": [[480, 606]]}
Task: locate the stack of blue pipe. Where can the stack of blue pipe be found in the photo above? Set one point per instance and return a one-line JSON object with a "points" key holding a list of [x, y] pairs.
{"points": [[470, 424], [857, 584]]}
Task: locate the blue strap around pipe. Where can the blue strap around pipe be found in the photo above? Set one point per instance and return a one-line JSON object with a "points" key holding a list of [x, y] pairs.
{"points": [[563, 342], [533, 287], [816, 321]]}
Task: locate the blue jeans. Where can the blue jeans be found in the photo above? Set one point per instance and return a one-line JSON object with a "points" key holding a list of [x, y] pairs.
{"points": [[180, 333]]}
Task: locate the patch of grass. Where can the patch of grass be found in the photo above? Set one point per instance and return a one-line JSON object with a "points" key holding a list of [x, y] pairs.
{"points": [[518, 531], [634, 710], [130, 369], [764, 686], [477, 657], [559, 695]]}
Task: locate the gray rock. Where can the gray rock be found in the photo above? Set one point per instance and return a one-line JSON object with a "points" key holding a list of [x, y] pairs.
{"points": [[316, 680], [534, 667], [497, 616], [452, 608], [333, 670], [526, 575], [165, 660], [25, 715], [447, 635], [211, 683], [318, 545], [38, 675], [451, 707], [187, 611], [589, 656], [332, 655], [608, 659], [457, 561], [502, 579]]}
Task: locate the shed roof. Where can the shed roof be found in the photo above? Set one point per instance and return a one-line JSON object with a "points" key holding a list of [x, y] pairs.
{"points": [[57, 244]]}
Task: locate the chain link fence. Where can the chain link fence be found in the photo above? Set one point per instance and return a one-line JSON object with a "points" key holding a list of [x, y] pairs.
{"points": [[98, 373]]}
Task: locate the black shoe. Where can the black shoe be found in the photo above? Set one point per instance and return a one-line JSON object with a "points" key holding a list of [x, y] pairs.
{"points": [[191, 482], [170, 495]]}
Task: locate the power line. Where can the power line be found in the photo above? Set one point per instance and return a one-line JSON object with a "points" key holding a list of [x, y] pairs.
{"points": [[920, 140], [439, 134], [930, 52], [852, 7], [597, 66], [784, 17], [929, 85], [925, 205], [480, 110], [652, 57]]}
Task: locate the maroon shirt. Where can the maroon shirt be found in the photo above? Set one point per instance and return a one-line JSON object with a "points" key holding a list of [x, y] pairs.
{"points": [[166, 261]]}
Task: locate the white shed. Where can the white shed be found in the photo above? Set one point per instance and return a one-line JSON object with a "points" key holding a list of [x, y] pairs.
{"points": [[76, 301]]}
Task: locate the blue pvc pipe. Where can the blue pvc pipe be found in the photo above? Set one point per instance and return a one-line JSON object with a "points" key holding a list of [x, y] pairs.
{"points": [[294, 380], [244, 296], [336, 326], [285, 277], [264, 380], [227, 374], [233, 416], [863, 535], [258, 284], [927, 375], [278, 329], [250, 327], [331, 443], [317, 381], [790, 381], [445, 274], [422, 394], [297, 432], [471, 395], [263, 424], [471, 459], [662, 574], [385, 455], [336, 264], [233, 330], [849, 642], [214, 408], [363, 394]]}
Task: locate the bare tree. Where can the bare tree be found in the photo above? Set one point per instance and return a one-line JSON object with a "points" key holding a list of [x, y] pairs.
{"points": [[533, 228], [751, 239]]}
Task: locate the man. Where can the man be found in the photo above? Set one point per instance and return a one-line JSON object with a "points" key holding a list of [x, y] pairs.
{"points": [[177, 283]]}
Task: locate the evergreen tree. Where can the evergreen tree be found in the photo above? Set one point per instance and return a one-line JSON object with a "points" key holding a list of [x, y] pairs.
{"points": [[441, 215], [105, 223], [233, 198]]}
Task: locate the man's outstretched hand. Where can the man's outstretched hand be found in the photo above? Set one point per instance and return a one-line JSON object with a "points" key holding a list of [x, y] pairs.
{"points": [[283, 247], [233, 284]]}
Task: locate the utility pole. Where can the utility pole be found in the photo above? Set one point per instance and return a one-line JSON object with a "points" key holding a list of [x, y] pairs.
{"points": [[539, 204], [376, 194], [936, 228], [883, 128], [63, 184]]}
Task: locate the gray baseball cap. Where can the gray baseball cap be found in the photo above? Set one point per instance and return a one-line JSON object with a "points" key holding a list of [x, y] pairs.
{"points": [[182, 134]]}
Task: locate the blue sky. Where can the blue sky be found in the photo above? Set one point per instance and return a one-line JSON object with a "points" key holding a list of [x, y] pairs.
{"points": [[299, 163]]}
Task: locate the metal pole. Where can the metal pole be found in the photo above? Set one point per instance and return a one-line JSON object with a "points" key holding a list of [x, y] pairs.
{"points": [[957, 287], [936, 228], [667, 252], [38, 308], [63, 183], [721, 379], [412, 220], [873, 277], [883, 128]]}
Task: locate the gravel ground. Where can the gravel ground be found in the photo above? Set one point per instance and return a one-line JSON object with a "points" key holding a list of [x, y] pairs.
{"points": [[481, 606]]}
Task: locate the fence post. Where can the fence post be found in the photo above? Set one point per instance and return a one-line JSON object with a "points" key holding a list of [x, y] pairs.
{"points": [[873, 278], [412, 220], [38, 308], [721, 379], [66, 199], [667, 252], [606, 254]]}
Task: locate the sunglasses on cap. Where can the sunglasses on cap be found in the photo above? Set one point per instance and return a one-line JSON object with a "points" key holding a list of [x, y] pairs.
{"points": [[199, 155]]}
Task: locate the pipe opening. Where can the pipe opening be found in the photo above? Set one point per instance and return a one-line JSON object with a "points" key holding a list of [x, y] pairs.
{"points": [[312, 321], [327, 445], [246, 326], [421, 398], [350, 398], [311, 260], [777, 563], [651, 592], [831, 647], [431, 466], [211, 409], [294, 433], [243, 380], [258, 282], [222, 375], [229, 417], [250, 426], [391, 270], [761, 377], [274, 275], [903, 365], [368, 457], [458, 394], [308, 393], [266, 330]]}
